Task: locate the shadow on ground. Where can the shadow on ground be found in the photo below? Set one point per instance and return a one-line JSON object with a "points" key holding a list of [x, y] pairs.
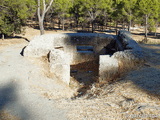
{"points": [[8, 98], [85, 73], [148, 77]]}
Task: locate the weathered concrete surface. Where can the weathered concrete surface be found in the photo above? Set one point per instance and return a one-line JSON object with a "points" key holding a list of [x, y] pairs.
{"points": [[41, 45], [62, 50], [126, 40], [108, 67], [132, 51], [60, 65], [128, 57], [127, 52]]}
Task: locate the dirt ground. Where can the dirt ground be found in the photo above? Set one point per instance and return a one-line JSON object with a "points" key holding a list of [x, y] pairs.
{"points": [[133, 96]]}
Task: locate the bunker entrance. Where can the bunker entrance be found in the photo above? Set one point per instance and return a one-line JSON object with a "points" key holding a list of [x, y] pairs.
{"points": [[85, 73], [85, 69], [84, 49]]}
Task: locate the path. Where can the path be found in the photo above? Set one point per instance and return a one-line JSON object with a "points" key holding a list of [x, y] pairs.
{"points": [[19, 82]]}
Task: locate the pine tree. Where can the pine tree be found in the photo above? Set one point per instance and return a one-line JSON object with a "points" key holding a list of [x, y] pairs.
{"points": [[13, 15], [94, 8], [129, 7], [78, 12], [62, 8], [148, 9]]}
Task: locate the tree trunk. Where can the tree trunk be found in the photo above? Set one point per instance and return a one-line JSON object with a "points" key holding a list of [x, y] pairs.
{"points": [[82, 25], [110, 24], [41, 26], [156, 26], [77, 22], [59, 23], [42, 15], [116, 27], [123, 24], [129, 25], [146, 27], [52, 23], [130, 21], [2, 36], [63, 23], [103, 28], [92, 26]]}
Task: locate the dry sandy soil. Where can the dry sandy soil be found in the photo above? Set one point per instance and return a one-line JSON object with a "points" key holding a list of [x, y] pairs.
{"points": [[25, 87], [134, 96], [27, 93]]}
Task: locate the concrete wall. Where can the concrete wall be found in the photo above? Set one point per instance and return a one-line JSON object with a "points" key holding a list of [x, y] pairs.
{"points": [[62, 50], [65, 46], [108, 68], [130, 56], [42, 45], [60, 65]]}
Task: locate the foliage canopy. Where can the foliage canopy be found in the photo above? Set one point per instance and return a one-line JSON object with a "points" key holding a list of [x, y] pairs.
{"points": [[14, 14]]}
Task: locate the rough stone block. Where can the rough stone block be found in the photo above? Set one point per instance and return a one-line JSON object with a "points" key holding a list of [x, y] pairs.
{"points": [[60, 65], [39, 46], [108, 67]]}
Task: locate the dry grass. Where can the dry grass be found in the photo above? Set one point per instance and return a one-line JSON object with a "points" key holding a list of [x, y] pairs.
{"points": [[6, 116], [31, 32], [119, 100], [128, 98]]}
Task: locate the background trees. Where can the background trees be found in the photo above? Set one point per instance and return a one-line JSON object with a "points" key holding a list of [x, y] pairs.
{"points": [[13, 15], [128, 11], [147, 10], [94, 8], [62, 8], [88, 15]]}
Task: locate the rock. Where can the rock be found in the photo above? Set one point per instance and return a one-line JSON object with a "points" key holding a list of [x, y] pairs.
{"points": [[126, 40], [74, 48], [128, 56], [39, 46], [60, 65], [108, 67], [132, 51]]}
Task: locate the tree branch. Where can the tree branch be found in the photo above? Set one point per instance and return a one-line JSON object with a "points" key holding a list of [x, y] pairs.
{"points": [[44, 6], [38, 11], [49, 5]]}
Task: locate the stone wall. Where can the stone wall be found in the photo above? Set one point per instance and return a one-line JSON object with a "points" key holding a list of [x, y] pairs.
{"points": [[108, 67], [128, 57], [60, 65], [62, 50], [115, 54], [42, 45]]}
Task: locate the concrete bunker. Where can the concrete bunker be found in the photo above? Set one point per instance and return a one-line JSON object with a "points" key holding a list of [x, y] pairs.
{"points": [[87, 54]]}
